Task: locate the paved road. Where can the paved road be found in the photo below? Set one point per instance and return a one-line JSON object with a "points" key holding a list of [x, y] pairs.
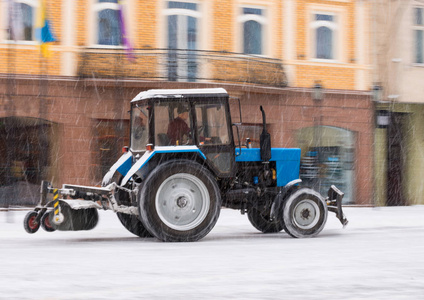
{"points": [[380, 255]]}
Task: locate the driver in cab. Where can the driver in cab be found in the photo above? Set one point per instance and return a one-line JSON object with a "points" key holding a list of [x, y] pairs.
{"points": [[178, 130]]}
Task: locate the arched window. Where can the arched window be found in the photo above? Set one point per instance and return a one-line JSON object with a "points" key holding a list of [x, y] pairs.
{"points": [[253, 23], [109, 29], [182, 20], [324, 43], [21, 20], [324, 30], [252, 38], [108, 22]]}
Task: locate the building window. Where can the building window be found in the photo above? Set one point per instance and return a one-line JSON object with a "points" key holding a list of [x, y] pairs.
{"points": [[253, 23], [324, 29], [418, 34], [108, 23], [20, 26], [328, 157], [182, 40]]}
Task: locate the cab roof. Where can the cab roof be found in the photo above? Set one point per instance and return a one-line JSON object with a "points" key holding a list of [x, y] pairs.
{"points": [[180, 93]]}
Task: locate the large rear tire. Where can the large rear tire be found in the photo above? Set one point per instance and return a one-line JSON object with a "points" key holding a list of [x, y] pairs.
{"points": [[179, 202], [260, 220], [304, 213], [131, 222], [133, 225]]}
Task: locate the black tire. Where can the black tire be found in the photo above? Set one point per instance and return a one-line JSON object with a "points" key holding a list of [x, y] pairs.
{"points": [[45, 223], [261, 222], [304, 213], [29, 222], [131, 222], [179, 202], [133, 225]]}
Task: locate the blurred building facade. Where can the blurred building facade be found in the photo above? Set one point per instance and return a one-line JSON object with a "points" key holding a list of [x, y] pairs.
{"points": [[307, 62], [398, 57]]}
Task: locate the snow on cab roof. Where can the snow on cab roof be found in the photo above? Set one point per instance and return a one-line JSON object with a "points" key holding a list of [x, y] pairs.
{"points": [[177, 93]]}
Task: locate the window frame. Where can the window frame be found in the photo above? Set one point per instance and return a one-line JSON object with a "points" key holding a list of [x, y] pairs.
{"points": [[201, 36], [93, 24], [333, 25], [4, 36], [197, 14], [341, 40], [262, 19], [415, 29]]}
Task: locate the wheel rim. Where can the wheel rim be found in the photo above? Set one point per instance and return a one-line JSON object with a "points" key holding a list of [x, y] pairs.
{"points": [[306, 214], [182, 201], [31, 222], [47, 221]]}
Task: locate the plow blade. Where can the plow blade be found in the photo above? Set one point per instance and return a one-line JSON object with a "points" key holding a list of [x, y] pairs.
{"points": [[334, 204], [74, 217]]}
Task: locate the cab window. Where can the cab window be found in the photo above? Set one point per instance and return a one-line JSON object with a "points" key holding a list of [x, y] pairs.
{"points": [[139, 127], [212, 127]]}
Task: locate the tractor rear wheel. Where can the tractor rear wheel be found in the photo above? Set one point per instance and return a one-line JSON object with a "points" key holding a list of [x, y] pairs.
{"points": [[133, 225], [179, 202], [131, 222], [260, 220], [304, 213]]}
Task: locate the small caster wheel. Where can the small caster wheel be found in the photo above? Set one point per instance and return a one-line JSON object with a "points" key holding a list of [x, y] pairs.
{"points": [[45, 223], [30, 225]]}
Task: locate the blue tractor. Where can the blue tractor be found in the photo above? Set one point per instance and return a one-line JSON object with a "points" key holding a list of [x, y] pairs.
{"points": [[182, 166]]}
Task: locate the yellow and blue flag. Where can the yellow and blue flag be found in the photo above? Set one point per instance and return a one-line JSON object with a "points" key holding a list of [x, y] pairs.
{"points": [[43, 32]]}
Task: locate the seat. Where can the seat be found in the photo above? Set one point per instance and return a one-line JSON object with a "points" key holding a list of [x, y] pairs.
{"points": [[163, 139]]}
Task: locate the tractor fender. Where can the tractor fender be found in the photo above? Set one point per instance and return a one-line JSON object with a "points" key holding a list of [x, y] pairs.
{"points": [[122, 165], [158, 150], [279, 198]]}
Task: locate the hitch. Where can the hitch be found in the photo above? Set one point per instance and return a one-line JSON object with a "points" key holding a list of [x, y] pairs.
{"points": [[334, 204]]}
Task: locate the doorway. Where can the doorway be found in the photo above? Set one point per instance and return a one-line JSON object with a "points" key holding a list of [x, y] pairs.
{"points": [[24, 159], [396, 152]]}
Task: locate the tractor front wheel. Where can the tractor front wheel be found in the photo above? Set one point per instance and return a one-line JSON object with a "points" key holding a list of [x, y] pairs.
{"points": [[179, 202], [304, 213]]}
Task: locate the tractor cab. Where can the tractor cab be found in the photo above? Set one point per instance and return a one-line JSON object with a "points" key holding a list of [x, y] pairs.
{"points": [[178, 121]]}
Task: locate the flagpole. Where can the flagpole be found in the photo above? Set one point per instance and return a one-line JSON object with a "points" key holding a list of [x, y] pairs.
{"points": [[44, 35]]}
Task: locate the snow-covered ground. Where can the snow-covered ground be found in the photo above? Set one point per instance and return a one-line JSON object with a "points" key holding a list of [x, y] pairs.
{"points": [[379, 255]]}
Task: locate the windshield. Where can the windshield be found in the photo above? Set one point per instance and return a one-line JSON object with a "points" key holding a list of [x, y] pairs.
{"points": [[139, 127]]}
